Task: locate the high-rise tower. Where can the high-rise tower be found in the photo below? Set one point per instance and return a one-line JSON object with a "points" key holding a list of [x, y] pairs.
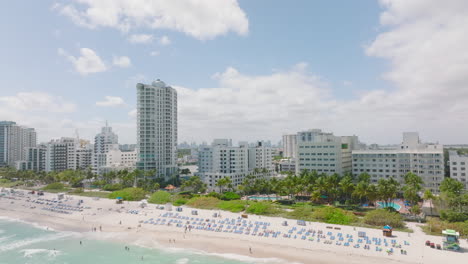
{"points": [[157, 128]]}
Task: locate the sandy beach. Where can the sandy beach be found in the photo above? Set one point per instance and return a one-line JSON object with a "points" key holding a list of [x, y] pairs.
{"points": [[255, 236]]}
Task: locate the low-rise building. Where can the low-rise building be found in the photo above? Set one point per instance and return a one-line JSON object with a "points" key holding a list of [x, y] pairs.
{"points": [[221, 160], [424, 159]]}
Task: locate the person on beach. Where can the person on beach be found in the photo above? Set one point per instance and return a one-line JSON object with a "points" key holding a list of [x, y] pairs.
{"points": [[250, 250], [81, 243]]}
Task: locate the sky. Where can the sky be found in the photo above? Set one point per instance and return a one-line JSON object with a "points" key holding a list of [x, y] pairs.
{"points": [[243, 69]]}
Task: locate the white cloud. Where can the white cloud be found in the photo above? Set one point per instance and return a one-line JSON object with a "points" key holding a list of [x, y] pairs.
{"points": [[111, 101], [141, 38], [88, 61], [202, 19], [122, 61], [154, 53], [36, 101], [164, 40], [262, 105], [132, 113]]}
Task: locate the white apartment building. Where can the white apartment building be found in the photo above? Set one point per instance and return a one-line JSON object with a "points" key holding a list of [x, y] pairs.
{"points": [[261, 156], [103, 142], [323, 152], [423, 159], [14, 140], [84, 157], [35, 159], [122, 159], [157, 128], [458, 167], [286, 165], [61, 154], [221, 159], [290, 146]]}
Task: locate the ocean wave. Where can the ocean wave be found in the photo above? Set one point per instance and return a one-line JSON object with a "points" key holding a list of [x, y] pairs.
{"points": [[30, 241], [182, 261], [28, 253], [230, 256], [36, 225], [6, 238]]}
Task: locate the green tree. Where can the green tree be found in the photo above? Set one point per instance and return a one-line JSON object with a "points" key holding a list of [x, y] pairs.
{"points": [[428, 196], [347, 187], [387, 190], [413, 185], [221, 183], [195, 184]]}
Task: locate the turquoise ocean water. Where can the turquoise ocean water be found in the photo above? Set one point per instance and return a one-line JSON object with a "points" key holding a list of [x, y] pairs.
{"points": [[21, 243]]}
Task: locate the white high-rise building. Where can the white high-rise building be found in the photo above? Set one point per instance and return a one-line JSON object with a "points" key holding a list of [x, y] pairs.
{"points": [[221, 159], [157, 128], [423, 159], [61, 154], [323, 152], [103, 143], [458, 167], [14, 140], [290, 146]]}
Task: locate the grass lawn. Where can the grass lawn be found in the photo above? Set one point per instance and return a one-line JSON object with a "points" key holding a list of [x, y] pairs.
{"points": [[10, 184], [63, 190], [92, 194]]}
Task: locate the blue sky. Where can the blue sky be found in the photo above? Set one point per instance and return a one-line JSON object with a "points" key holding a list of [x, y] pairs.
{"points": [[232, 62]]}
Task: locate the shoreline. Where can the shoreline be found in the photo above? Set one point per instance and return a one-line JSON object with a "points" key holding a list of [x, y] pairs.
{"points": [[106, 214]]}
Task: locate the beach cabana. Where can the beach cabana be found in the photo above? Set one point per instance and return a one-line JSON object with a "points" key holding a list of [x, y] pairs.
{"points": [[387, 231], [119, 200], [301, 222], [194, 212]]}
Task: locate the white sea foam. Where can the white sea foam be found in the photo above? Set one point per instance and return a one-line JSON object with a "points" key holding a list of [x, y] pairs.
{"points": [[182, 261], [6, 238], [30, 241], [231, 256], [36, 225], [29, 253]]}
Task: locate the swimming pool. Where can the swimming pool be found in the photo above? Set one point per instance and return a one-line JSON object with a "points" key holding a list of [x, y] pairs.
{"points": [[393, 205], [273, 198]]}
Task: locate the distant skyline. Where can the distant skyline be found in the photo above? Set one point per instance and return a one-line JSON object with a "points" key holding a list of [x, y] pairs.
{"points": [[246, 70]]}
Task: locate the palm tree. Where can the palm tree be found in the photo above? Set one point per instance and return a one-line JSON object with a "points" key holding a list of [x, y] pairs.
{"points": [[387, 190], [223, 182], [412, 186], [360, 191], [321, 185], [428, 196], [347, 186]]}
